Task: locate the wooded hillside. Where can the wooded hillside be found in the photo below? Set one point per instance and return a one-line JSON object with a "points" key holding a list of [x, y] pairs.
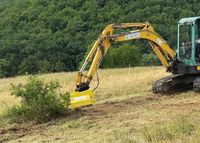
{"points": [[53, 35]]}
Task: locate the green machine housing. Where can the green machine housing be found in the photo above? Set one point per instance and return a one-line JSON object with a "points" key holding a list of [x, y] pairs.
{"points": [[185, 67], [188, 47]]}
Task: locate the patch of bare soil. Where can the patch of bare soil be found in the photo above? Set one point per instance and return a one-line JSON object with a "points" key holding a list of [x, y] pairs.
{"points": [[16, 131], [116, 107]]}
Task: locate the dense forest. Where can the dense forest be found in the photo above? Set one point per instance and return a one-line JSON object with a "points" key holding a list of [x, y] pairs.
{"points": [[38, 36]]}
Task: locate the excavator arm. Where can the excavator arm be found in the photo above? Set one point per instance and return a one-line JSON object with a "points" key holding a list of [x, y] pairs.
{"points": [[140, 31], [145, 31]]}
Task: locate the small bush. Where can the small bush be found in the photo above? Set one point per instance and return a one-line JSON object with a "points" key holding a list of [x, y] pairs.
{"points": [[177, 129], [40, 101]]}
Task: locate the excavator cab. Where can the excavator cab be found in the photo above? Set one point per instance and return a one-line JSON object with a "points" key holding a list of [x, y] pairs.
{"points": [[188, 51]]}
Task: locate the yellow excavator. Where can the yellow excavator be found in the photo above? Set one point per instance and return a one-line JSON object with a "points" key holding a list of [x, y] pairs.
{"points": [[184, 64]]}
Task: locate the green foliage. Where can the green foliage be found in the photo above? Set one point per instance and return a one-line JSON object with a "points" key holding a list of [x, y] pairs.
{"points": [[40, 101], [56, 34], [4, 66], [177, 129], [124, 56], [149, 59]]}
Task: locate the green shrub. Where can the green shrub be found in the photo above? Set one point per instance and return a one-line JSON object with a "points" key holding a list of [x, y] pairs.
{"points": [[40, 101]]}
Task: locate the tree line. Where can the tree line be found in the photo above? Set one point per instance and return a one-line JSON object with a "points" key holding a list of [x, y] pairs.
{"points": [[40, 36]]}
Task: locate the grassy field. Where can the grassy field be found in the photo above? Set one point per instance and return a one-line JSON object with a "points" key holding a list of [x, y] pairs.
{"points": [[126, 111]]}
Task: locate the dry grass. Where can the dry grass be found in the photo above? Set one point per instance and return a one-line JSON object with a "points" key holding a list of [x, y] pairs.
{"points": [[123, 83], [125, 108], [169, 131]]}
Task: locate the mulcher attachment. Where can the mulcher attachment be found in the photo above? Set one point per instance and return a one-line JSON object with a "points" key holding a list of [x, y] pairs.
{"points": [[80, 99]]}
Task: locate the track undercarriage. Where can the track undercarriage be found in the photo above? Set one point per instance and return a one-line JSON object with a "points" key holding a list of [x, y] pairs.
{"points": [[177, 82]]}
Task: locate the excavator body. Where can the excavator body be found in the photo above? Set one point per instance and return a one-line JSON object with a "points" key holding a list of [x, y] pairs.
{"points": [[184, 64]]}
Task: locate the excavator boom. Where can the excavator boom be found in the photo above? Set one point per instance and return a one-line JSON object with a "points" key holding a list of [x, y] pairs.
{"points": [[83, 95]]}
